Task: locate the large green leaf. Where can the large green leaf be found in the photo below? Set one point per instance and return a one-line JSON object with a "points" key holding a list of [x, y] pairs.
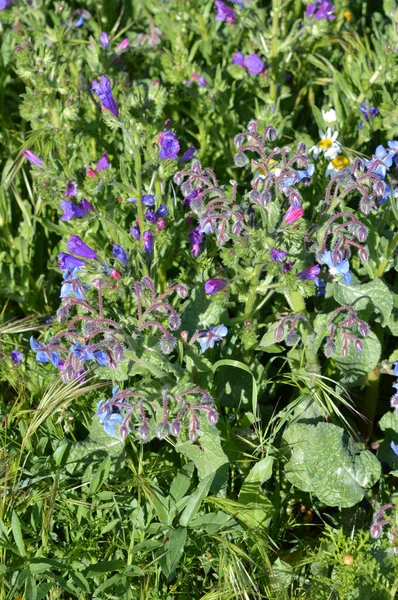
{"points": [[355, 367], [366, 299], [324, 462], [201, 311]]}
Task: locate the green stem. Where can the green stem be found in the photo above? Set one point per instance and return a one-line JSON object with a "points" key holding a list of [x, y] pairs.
{"points": [[383, 264], [274, 47], [370, 403], [296, 302], [252, 291]]}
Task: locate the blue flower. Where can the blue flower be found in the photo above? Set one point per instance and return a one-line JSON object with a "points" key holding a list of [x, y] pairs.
{"points": [[386, 156], [43, 355], [211, 335], [341, 268], [120, 253], [162, 211], [104, 93], [72, 288], [394, 448], [83, 354], [395, 365], [16, 357], [107, 417]]}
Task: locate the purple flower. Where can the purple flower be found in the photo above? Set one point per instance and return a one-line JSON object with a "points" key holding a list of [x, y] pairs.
{"points": [[147, 199], [120, 253], [277, 255], [32, 158], [211, 335], [103, 162], [310, 273], [162, 212], [224, 12], [16, 357], [196, 238], [135, 231], [254, 64], [71, 188], [190, 197], [148, 241], [322, 9], [4, 4], [104, 40], [76, 245], [238, 59], [368, 112], [294, 213], [150, 216], [66, 261], [188, 154], [287, 267], [71, 211], [215, 285], [104, 93], [202, 81], [169, 144]]}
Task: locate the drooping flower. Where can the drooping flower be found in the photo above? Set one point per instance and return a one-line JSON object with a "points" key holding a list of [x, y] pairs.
{"points": [[162, 211], [83, 353], [190, 197], [341, 268], [120, 253], [394, 448], [212, 286], [310, 273], [329, 116], [71, 188], [169, 145], [294, 213], [73, 211], [322, 9], [43, 355], [16, 357], [67, 261], [104, 93], [224, 12], [238, 58], [103, 162], [188, 154], [287, 266], [72, 287], [150, 216], [76, 245], [254, 64], [148, 241], [32, 158], [211, 335], [104, 40], [108, 415], [383, 155], [196, 238], [278, 255], [328, 144]]}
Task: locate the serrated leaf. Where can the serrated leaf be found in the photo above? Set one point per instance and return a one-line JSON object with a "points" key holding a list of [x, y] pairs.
{"points": [[323, 462]]}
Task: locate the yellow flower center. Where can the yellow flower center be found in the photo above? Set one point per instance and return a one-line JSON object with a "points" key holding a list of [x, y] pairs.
{"points": [[263, 171], [326, 143], [340, 162], [347, 15]]}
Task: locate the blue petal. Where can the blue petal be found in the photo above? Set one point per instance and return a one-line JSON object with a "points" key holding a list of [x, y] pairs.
{"points": [[55, 358], [326, 259], [203, 343], [116, 418], [101, 358], [347, 278], [109, 428], [42, 357], [394, 448], [33, 344]]}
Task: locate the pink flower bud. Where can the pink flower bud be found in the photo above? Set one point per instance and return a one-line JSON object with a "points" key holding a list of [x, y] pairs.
{"points": [[91, 172], [161, 224], [115, 274]]}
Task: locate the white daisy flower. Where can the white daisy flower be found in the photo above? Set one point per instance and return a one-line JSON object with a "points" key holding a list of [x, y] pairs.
{"points": [[336, 165], [329, 116], [328, 144]]}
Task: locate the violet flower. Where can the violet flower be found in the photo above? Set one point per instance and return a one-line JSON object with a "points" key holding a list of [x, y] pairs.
{"points": [[162, 211], [212, 286], [150, 216], [224, 12], [190, 197], [103, 162], [67, 261], [322, 9], [310, 273], [73, 211], [238, 59], [16, 357], [32, 158], [147, 199], [71, 188], [104, 40], [277, 255], [76, 245], [254, 64], [4, 4], [120, 253], [148, 241], [135, 231], [196, 238], [104, 93], [169, 145], [188, 154]]}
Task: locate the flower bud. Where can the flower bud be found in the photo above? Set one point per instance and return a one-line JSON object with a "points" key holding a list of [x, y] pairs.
{"points": [[379, 187], [144, 431], [115, 274], [162, 430], [167, 343], [329, 348], [238, 139], [212, 286], [68, 373], [376, 530], [363, 328], [196, 167], [178, 178], [175, 427], [197, 205], [345, 346], [62, 314], [291, 338], [252, 127], [124, 431], [271, 133], [301, 147], [279, 333], [337, 256], [118, 352], [193, 435], [212, 417], [361, 233], [187, 188], [174, 322], [182, 290], [363, 254], [365, 205], [358, 345], [237, 228], [240, 159]]}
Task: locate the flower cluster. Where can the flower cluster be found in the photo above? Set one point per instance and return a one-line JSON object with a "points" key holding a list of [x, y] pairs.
{"points": [[253, 63], [380, 522]]}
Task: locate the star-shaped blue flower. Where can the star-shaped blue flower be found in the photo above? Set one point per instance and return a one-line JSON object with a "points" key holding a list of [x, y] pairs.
{"points": [[341, 268]]}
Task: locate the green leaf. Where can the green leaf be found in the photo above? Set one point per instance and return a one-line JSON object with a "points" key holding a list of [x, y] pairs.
{"points": [[389, 424], [201, 311], [17, 533], [106, 566], [195, 500], [355, 367], [366, 299], [324, 462], [258, 508], [181, 482], [175, 549], [99, 476], [30, 588], [240, 365]]}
